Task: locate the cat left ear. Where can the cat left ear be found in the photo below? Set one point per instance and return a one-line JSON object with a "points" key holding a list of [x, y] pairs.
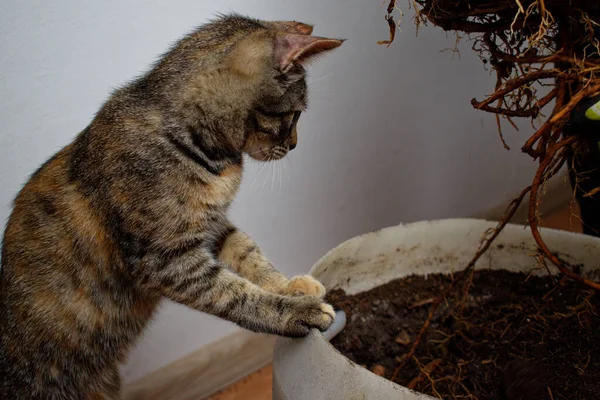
{"points": [[300, 49], [296, 28]]}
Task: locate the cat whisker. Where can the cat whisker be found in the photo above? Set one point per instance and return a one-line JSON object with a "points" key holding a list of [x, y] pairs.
{"points": [[319, 88], [281, 168], [264, 182], [278, 173], [256, 152], [272, 177], [311, 81], [259, 171]]}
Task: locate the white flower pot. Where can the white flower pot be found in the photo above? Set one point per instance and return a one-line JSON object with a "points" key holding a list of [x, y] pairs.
{"points": [[312, 369]]}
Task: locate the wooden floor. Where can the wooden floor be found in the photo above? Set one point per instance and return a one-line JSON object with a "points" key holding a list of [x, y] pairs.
{"points": [[255, 387], [258, 385]]}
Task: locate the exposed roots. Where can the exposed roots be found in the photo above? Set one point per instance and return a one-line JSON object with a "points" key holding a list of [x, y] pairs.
{"points": [[542, 51], [465, 273]]}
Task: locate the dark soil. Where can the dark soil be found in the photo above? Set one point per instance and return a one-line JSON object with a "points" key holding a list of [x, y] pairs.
{"points": [[512, 337]]}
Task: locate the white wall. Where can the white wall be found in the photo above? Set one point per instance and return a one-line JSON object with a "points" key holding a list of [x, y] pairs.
{"points": [[390, 136]]}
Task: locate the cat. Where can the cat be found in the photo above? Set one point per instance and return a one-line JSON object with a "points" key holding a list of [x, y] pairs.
{"points": [[134, 210]]}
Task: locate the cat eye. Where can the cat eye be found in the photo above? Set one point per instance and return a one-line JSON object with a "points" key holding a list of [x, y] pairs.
{"points": [[294, 121], [296, 117]]}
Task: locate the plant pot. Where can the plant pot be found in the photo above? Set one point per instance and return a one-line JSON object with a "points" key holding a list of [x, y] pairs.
{"points": [[312, 369]]}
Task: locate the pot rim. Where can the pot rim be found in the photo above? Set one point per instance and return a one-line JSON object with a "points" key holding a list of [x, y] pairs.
{"points": [[510, 229]]}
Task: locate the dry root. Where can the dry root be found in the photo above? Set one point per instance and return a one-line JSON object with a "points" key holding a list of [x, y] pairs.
{"points": [[542, 51]]}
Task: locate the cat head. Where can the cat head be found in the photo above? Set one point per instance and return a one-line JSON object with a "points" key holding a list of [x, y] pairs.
{"points": [[278, 57], [283, 96], [249, 81]]}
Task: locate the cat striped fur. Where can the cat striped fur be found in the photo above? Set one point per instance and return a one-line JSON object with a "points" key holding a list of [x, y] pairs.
{"points": [[134, 211]]}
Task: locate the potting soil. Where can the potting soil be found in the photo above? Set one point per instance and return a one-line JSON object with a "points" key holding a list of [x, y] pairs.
{"points": [[510, 336]]}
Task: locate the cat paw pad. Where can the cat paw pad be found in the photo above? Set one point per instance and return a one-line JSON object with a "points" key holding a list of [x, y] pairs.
{"points": [[305, 285], [327, 309]]}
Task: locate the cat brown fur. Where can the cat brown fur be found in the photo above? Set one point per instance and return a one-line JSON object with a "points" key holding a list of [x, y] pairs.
{"points": [[134, 211]]}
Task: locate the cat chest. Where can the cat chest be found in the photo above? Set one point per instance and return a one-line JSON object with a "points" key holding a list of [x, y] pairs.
{"points": [[214, 191]]}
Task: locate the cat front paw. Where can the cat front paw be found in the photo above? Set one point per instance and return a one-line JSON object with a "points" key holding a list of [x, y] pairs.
{"points": [[309, 312], [305, 285]]}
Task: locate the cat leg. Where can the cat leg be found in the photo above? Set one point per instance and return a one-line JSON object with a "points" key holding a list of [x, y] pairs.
{"points": [[244, 256], [198, 280]]}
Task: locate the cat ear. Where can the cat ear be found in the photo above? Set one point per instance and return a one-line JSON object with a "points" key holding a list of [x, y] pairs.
{"points": [[293, 27], [299, 49]]}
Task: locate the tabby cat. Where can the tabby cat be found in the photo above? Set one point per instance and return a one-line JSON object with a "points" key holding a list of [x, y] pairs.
{"points": [[134, 210]]}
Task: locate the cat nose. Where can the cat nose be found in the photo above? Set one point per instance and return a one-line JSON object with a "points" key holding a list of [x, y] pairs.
{"points": [[292, 146]]}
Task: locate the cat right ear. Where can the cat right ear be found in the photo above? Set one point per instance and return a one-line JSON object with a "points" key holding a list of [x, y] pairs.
{"points": [[300, 49]]}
